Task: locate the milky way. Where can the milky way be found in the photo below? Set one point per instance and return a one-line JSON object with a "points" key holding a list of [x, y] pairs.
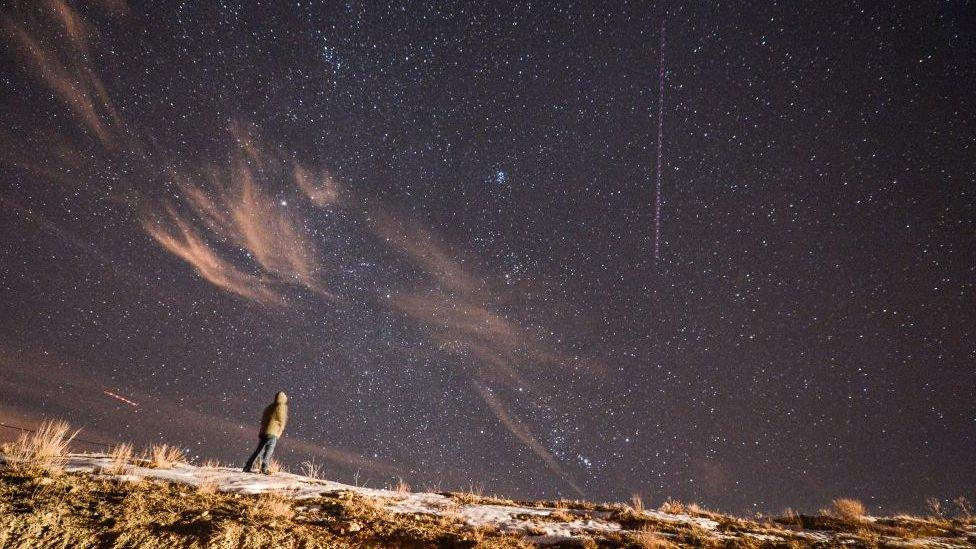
{"points": [[430, 225]]}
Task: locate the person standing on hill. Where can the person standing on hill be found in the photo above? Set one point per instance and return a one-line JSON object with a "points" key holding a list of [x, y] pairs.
{"points": [[272, 426]]}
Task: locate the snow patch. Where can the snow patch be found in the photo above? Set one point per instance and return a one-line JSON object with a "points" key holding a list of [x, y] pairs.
{"points": [[539, 525]]}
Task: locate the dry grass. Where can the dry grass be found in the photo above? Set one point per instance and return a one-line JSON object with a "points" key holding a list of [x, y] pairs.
{"points": [[208, 485], [848, 521], [647, 539], [276, 467], [636, 503], [689, 536], [78, 510], [476, 489], [43, 452], [163, 456], [467, 498], [630, 519], [480, 534], [555, 515], [213, 464], [271, 507], [934, 506], [313, 470], [561, 515], [425, 530], [672, 506], [75, 510], [69, 510], [791, 518], [401, 486], [121, 457], [965, 508], [847, 509]]}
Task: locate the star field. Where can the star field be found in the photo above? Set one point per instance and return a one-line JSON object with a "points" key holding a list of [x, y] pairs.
{"points": [[431, 224]]}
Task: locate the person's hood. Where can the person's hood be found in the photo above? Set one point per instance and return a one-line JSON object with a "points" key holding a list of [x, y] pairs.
{"points": [[281, 397]]}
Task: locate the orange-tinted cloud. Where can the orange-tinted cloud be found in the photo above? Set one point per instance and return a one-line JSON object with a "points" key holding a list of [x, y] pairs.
{"points": [[321, 188], [457, 313], [230, 206], [457, 309], [55, 39], [178, 237], [443, 311], [231, 230], [422, 246], [521, 431]]}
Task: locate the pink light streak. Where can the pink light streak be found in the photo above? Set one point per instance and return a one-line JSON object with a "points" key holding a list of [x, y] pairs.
{"points": [[121, 398], [660, 142]]}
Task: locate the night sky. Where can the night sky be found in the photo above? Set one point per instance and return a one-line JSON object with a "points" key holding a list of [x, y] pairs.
{"points": [[432, 225]]}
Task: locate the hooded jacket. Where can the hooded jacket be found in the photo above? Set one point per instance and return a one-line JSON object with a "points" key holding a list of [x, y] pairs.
{"points": [[275, 416]]}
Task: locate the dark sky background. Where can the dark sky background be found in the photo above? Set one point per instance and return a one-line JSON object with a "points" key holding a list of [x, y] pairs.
{"points": [[431, 224]]}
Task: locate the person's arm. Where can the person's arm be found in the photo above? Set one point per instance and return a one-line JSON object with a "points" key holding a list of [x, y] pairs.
{"points": [[282, 413], [266, 416]]}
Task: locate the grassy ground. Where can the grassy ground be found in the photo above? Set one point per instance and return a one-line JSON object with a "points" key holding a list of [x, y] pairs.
{"points": [[43, 506], [91, 510], [80, 510]]}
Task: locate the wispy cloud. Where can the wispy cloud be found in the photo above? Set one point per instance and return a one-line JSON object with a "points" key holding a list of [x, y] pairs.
{"points": [[180, 238], [517, 427], [455, 315], [225, 209], [231, 209], [227, 224], [426, 249], [55, 39], [320, 187], [456, 312]]}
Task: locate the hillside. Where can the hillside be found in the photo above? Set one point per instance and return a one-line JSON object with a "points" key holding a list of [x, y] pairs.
{"points": [[158, 500]]}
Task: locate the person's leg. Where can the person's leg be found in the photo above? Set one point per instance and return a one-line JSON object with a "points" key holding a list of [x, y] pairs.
{"points": [[262, 440], [269, 447]]}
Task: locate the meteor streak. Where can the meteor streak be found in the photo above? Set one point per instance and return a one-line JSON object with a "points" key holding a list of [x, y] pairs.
{"points": [[121, 398]]}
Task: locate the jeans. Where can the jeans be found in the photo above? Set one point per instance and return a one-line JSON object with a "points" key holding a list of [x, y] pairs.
{"points": [[266, 446]]}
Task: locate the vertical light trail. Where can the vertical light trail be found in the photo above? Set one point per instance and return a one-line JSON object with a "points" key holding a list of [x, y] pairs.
{"points": [[660, 140]]}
